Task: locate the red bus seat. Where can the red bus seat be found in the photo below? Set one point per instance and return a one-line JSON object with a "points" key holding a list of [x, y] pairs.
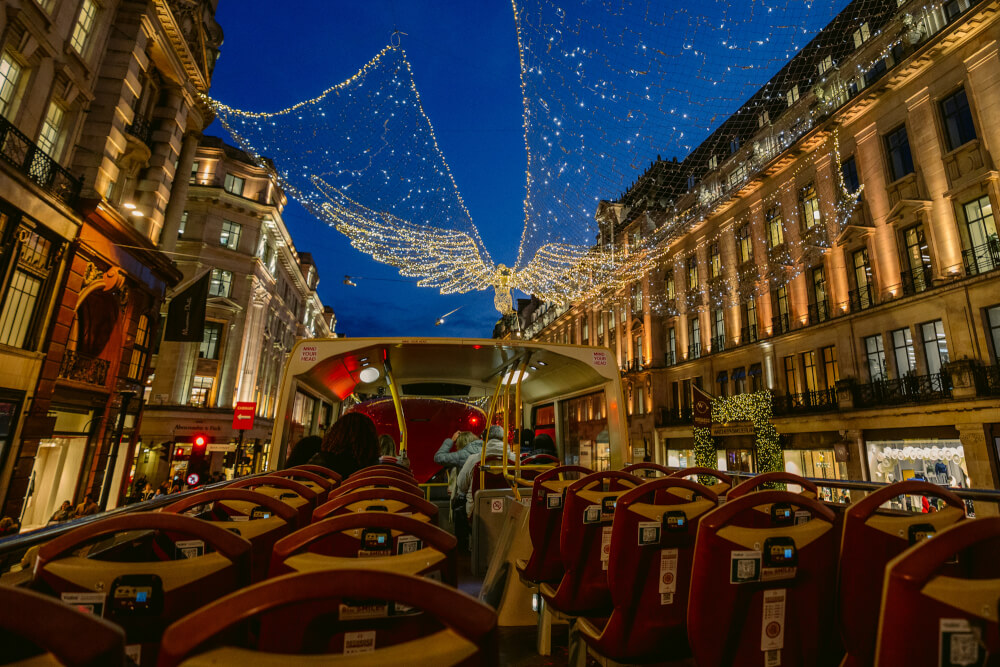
{"points": [[870, 540], [378, 482], [652, 549], [372, 540], [762, 517], [373, 500], [290, 492], [152, 568], [721, 487], [382, 469], [354, 612], [585, 542], [646, 470], [544, 521], [318, 483], [538, 459], [37, 630], [259, 518], [929, 616], [322, 471], [763, 595]]}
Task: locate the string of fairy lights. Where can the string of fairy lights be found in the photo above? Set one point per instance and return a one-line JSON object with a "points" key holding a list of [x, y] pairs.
{"points": [[606, 86]]}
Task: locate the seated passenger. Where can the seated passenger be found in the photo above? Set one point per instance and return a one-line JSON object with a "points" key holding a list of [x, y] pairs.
{"points": [[386, 445], [456, 459], [494, 449], [349, 445], [88, 507], [542, 444], [303, 451], [64, 513]]}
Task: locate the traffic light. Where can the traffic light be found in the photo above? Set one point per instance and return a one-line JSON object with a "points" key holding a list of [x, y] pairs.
{"points": [[199, 443], [197, 463]]}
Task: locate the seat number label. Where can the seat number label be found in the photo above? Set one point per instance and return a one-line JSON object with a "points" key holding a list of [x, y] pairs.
{"points": [[359, 642], [772, 624], [605, 546], [744, 567], [668, 575]]}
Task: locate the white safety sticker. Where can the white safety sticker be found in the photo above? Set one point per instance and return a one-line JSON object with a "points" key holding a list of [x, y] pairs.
{"points": [[777, 573], [772, 623], [802, 516], [496, 505], [553, 501], [772, 658], [649, 533], [744, 567], [958, 644], [592, 514], [239, 517], [605, 546], [188, 549], [350, 612], [668, 575], [407, 544], [89, 603], [359, 642], [134, 653]]}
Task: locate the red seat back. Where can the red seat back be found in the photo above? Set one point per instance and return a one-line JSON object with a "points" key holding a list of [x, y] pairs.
{"points": [[705, 476], [318, 483], [759, 590], [931, 617], [147, 582], [32, 624], [373, 481], [322, 471], [233, 510], [652, 550], [762, 517], [870, 540], [398, 543], [646, 470], [321, 612], [368, 500], [299, 496], [494, 480], [585, 542], [544, 521], [383, 469]]}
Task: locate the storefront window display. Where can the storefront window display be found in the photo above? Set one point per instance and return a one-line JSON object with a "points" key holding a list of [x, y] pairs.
{"points": [[938, 461], [818, 464]]}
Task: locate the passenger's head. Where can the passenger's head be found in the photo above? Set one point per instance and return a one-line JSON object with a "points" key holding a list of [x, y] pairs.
{"points": [[90, 498], [386, 445], [352, 443], [66, 505], [542, 444], [495, 432], [304, 450], [463, 440]]}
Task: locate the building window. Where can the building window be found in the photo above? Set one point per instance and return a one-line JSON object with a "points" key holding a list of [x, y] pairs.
{"points": [[739, 381], [819, 294], [24, 288], [756, 377], [748, 312], [718, 330], [984, 247], [201, 390], [586, 331], [694, 338], [84, 27], [902, 351], [722, 379], [781, 299], [230, 236], [672, 341], [10, 76], [862, 34], [692, 267], [993, 321], [897, 148], [957, 117], [713, 162], [744, 243], [918, 259], [636, 300], [809, 371], [830, 369], [792, 96], [763, 119], [876, 358], [849, 172], [775, 227], [140, 348], [790, 384], [234, 184], [669, 285], [862, 279], [194, 172], [715, 260], [49, 138], [810, 207], [935, 346], [622, 314], [221, 282], [210, 341], [600, 326], [825, 65]]}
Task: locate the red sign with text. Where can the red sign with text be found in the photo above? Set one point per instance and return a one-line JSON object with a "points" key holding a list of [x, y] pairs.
{"points": [[243, 415]]}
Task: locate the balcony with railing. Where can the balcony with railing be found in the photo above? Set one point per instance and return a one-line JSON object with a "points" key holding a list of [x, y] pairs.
{"points": [[917, 280], [909, 389], [780, 324], [748, 334], [718, 344], [987, 379], [810, 401], [819, 312], [694, 351], [669, 358], [141, 129], [633, 366], [677, 416], [982, 258], [24, 155], [83, 368], [862, 298]]}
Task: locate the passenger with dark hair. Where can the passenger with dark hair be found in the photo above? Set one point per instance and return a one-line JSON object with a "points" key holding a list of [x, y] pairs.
{"points": [[87, 507], [64, 513], [303, 451], [542, 444], [349, 445]]}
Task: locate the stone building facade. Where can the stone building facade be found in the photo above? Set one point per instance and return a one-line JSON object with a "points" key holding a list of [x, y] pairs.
{"points": [[262, 298], [101, 103], [873, 318]]}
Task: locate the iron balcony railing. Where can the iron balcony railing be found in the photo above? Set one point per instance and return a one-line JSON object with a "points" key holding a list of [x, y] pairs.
{"points": [[633, 365], [748, 334], [83, 368], [916, 280], [861, 298], [24, 155], [819, 312], [669, 358], [718, 344], [141, 129], [987, 379], [909, 389], [982, 258], [810, 401], [780, 324], [694, 351], [673, 416]]}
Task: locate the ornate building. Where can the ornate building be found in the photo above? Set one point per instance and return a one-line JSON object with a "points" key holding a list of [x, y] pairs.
{"points": [[262, 298], [100, 104], [834, 241]]}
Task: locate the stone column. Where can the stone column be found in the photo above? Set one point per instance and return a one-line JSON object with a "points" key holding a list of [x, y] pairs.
{"points": [[975, 443], [652, 345], [253, 336], [984, 93], [856, 456], [178, 194], [883, 255]]}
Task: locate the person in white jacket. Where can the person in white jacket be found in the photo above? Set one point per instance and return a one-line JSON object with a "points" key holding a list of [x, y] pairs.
{"points": [[494, 448]]}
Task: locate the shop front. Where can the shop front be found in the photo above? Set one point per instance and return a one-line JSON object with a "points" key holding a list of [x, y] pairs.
{"points": [[941, 461]]}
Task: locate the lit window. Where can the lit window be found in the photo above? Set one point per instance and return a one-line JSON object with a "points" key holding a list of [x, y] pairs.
{"points": [[84, 26], [692, 267], [139, 349], [230, 236], [792, 96], [221, 283], [957, 117], [775, 227], [862, 34], [825, 65], [50, 135], [10, 75], [201, 389], [897, 146], [763, 119], [715, 260], [183, 225], [713, 162], [744, 243], [234, 184], [209, 348], [810, 207]]}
